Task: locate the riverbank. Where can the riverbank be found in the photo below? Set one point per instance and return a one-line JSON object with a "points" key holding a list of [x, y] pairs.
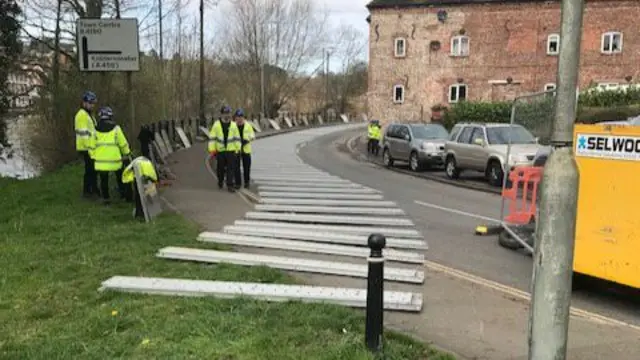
{"points": [[57, 248]]}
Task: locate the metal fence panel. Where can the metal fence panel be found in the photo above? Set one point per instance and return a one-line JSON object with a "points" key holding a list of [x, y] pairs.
{"points": [[536, 113]]}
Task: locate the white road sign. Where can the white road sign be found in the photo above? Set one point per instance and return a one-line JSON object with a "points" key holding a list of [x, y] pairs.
{"points": [[108, 44]]}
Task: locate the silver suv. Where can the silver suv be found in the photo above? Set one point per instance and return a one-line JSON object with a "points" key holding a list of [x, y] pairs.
{"points": [[483, 147], [421, 145]]}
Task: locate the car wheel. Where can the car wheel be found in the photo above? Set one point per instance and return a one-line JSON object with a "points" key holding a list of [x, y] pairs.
{"points": [[414, 162], [386, 158], [451, 168], [495, 175], [507, 241]]}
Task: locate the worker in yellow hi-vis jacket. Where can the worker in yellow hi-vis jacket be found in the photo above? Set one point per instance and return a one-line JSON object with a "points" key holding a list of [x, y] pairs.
{"points": [[224, 145], [247, 135], [85, 125], [110, 148]]}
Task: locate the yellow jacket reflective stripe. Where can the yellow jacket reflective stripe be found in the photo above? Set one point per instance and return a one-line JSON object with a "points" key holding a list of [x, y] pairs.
{"points": [[145, 166], [85, 126], [216, 138], [248, 135], [108, 149]]}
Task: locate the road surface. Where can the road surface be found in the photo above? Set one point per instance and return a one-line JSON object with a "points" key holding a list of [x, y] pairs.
{"points": [[447, 216]]}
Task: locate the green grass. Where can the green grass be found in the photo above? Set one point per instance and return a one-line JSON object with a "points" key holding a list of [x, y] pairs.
{"points": [[56, 249]]}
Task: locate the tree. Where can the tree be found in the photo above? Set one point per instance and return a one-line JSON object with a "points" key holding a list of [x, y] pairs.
{"points": [[286, 35], [351, 81], [10, 48]]}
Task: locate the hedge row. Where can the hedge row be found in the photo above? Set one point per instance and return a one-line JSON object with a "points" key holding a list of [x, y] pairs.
{"points": [[610, 98], [537, 116]]}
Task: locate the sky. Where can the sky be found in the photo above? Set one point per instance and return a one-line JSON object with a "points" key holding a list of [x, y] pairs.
{"points": [[352, 12], [340, 12]]}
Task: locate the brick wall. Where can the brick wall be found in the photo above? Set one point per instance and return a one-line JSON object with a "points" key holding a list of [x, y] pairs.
{"points": [[505, 41]]}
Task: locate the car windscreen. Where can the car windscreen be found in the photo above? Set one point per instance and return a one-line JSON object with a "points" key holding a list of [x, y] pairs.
{"points": [[499, 135], [430, 132]]}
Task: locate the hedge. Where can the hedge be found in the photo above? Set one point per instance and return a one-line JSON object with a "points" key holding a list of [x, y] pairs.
{"points": [[610, 98], [531, 114]]}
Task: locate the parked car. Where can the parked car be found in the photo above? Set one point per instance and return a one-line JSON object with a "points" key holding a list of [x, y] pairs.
{"points": [[483, 147], [421, 145]]}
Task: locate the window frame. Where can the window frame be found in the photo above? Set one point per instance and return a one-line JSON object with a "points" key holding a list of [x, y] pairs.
{"points": [[395, 87], [480, 130], [458, 86], [397, 40], [553, 37], [460, 140], [547, 85], [455, 132], [460, 53], [611, 34]]}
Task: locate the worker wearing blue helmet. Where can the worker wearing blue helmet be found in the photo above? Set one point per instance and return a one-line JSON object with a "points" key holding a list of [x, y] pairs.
{"points": [[85, 126], [225, 146], [247, 135]]}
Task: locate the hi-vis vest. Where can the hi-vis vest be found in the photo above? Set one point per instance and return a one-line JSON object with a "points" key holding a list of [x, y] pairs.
{"points": [[108, 149], [248, 135], [376, 133], [370, 131], [216, 138], [145, 167], [85, 126]]}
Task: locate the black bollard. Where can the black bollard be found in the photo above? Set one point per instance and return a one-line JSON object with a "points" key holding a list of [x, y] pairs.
{"points": [[375, 293]]}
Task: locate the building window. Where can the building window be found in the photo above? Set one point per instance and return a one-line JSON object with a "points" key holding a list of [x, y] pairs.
{"points": [[549, 87], [460, 46], [611, 43], [457, 92], [400, 47], [398, 94], [553, 44]]}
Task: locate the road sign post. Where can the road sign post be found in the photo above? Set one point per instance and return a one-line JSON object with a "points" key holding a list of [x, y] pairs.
{"points": [[108, 45]]}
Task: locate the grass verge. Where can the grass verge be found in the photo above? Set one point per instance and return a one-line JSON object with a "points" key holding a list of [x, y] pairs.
{"points": [[56, 248]]}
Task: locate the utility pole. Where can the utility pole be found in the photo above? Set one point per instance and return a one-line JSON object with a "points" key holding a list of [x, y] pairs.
{"points": [[326, 85], [201, 60], [132, 105], [553, 258], [263, 61], [162, 77]]}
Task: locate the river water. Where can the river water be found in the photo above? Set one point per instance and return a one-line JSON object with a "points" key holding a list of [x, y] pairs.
{"points": [[14, 160]]}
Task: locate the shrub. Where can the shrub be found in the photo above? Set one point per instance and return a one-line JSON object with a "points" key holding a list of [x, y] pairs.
{"points": [[610, 98], [591, 115], [477, 112]]}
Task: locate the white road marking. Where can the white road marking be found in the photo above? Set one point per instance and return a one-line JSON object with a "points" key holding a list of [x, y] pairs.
{"points": [[459, 212], [523, 295]]}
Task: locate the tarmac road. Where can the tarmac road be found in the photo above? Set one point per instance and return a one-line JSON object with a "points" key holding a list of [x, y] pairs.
{"points": [[447, 216]]}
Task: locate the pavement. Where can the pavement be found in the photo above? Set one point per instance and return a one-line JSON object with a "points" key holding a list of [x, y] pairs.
{"points": [[467, 309]]}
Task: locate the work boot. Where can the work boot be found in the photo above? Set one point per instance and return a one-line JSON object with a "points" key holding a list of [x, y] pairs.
{"points": [[246, 186], [220, 186], [231, 189]]}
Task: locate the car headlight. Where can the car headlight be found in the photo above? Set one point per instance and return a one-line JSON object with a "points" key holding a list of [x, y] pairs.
{"points": [[517, 158], [429, 147]]}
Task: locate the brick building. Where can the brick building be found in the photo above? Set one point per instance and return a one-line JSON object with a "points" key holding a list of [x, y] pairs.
{"points": [[428, 52]]}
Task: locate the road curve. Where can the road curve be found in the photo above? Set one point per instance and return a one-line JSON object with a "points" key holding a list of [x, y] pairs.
{"points": [[447, 216]]}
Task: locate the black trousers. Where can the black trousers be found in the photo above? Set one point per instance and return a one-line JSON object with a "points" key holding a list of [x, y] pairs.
{"points": [[225, 167], [90, 179], [370, 146], [375, 147], [104, 184], [244, 160]]}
